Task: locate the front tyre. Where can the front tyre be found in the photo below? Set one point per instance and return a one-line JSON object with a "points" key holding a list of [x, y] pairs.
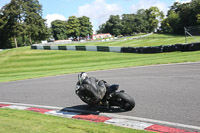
{"points": [[125, 101]]}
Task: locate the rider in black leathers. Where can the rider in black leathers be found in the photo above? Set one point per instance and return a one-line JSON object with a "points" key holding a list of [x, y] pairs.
{"points": [[90, 89]]}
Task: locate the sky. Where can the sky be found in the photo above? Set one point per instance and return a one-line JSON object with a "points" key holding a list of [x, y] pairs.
{"points": [[97, 10]]}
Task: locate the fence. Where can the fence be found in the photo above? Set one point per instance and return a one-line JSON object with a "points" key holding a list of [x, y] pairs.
{"points": [[192, 31]]}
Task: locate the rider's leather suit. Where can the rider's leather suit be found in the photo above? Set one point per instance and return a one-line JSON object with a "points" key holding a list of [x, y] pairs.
{"points": [[91, 90]]}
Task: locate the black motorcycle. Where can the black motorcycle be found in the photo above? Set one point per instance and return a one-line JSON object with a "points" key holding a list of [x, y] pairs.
{"points": [[111, 98]]}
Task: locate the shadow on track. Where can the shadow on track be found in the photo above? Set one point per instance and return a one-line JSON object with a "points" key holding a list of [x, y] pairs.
{"points": [[85, 109]]}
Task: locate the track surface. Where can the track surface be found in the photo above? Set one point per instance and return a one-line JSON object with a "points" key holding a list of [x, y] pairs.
{"points": [[164, 92]]}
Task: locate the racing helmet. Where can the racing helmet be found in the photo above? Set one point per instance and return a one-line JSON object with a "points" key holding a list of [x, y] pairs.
{"points": [[82, 76]]}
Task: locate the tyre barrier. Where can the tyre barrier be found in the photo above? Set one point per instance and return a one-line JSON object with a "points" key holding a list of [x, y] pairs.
{"points": [[79, 48], [142, 50]]}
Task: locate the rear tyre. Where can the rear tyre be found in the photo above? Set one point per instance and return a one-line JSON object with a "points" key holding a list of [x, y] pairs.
{"points": [[125, 101]]}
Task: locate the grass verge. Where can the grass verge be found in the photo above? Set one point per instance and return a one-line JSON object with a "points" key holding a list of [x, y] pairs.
{"points": [[15, 121], [24, 63]]}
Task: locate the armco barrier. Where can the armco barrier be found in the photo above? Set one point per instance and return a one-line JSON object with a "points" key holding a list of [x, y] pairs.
{"points": [[142, 50]]}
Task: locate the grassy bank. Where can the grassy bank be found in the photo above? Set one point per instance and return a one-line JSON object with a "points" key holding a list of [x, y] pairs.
{"points": [[15, 121], [152, 40], [24, 63]]}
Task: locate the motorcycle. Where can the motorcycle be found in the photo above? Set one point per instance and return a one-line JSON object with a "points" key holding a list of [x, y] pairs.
{"points": [[111, 98]]}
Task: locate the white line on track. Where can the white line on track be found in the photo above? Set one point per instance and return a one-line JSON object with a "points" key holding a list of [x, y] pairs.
{"points": [[151, 121], [158, 65]]}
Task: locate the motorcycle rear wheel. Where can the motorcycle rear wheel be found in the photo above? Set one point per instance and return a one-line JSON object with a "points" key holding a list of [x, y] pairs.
{"points": [[124, 101]]}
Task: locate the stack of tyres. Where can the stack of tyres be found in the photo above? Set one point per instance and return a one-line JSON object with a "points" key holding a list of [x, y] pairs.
{"points": [[186, 47], [169, 48], [147, 50], [179, 47], [196, 46], [163, 48], [33, 47], [157, 49], [140, 50], [81, 48], [47, 47], [125, 49], [129, 50], [103, 48], [189, 47], [133, 50]]}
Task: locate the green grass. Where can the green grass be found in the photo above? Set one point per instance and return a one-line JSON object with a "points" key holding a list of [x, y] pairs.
{"points": [[152, 40], [24, 63], [15, 121], [128, 37]]}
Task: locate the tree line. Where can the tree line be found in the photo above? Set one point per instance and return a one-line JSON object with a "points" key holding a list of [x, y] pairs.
{"points": [[143, 21], [21, 23], [179, 15], [72, 28]]}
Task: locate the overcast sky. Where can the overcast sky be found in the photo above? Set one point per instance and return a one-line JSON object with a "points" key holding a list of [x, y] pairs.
{"points": [[97, 10]]}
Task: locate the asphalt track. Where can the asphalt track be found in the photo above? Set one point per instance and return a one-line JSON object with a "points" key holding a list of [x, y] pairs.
{"points": [[163, 92]]}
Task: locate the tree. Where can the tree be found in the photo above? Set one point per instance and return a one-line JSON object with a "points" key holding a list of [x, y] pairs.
{"points": [[12, 12], [195, 7], [85, 26], [5, 41], [135, 23], [35, 24], [22, 19], [182, 15], [154, 16], [73, 27], [198, 18], [128, 24], [59, 29], [173, 22], [101, 29], [114, 25], [143, 21], [165, 26]]}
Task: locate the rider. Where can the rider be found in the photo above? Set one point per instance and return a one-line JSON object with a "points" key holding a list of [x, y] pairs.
{"points": [[90, 89]]}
